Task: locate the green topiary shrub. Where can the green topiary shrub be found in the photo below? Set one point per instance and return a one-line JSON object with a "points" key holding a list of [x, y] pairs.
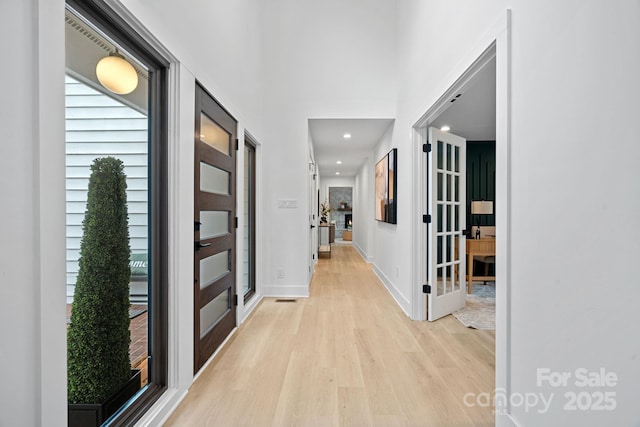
{"points": [[98, 337]]}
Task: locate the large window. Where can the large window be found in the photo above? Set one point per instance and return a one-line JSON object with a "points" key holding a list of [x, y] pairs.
{"points": [[106, 120]]}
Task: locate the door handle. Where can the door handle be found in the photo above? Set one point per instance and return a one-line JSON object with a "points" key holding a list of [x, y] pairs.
{"points": [[199, 245]]}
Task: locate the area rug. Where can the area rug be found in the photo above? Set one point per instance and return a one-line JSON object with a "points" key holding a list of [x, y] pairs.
{"points": [[480, 310]]}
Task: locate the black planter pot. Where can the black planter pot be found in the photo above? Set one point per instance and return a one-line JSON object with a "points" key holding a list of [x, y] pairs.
{"points": [[94, 414]]}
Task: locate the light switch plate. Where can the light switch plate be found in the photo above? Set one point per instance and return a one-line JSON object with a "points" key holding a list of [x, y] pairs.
{"points": [[287, 203]]}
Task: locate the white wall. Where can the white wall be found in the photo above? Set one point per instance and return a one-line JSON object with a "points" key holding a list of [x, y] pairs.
{"points": [[334, 181], [587, 242], [574, 151], [219, 42], [322, 59], [390, 243], [32, 313], [363, 214], [32, 255]]}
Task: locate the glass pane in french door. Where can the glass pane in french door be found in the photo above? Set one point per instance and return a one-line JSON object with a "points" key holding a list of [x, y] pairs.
{"points": [[448, 200]]}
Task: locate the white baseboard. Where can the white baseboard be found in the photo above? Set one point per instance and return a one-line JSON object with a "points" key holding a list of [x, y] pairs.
{"points": [[286, 291], [249, 307], [163, 408], [363, 254], [506, 420], [402, 301]]}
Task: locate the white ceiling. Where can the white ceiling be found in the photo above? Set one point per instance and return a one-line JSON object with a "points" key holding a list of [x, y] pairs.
{"points": [[472, 115], [330, 145]]}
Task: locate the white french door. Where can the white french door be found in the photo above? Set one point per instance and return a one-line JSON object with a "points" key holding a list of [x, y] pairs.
{"points": [[313, 243], [446, 241]]}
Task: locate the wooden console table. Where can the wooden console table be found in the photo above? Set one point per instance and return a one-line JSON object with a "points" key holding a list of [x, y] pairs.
{"points": [[478, 247], [324, 242]]}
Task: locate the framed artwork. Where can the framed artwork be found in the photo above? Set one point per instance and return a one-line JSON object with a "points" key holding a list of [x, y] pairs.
{"points": [[386, 208]]}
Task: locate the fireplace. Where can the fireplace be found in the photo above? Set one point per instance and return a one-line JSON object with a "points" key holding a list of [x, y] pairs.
{"points": [[347, 221]]}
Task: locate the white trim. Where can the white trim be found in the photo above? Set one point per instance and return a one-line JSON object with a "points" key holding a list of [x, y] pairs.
{"points": [[368, 259], [214, 355], [163, 408], [506, 420], [498, 37], [420, 202], [503, 211], [158, 414], [180, 88], [240, 193], [248, 308], [404, 303], [285, 291], [49, 343]]}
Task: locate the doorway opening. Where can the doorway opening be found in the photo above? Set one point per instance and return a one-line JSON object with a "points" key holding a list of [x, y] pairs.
{"points": [[498, 50]]}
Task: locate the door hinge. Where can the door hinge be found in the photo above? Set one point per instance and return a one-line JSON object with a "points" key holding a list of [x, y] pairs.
{"points": [[196, 225], [236, 224], [235, 300], [313, 256], [426, 219], [426, 289], [426, 148], [237, 144]]}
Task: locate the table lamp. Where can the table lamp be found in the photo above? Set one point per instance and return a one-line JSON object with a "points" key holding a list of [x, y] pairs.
{"points": [[481, 207]]}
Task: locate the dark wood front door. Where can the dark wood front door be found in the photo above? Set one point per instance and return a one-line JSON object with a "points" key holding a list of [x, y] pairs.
{"points": [[214, 227]]}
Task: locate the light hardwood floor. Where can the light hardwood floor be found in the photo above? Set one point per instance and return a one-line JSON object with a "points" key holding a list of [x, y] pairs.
{"points": [[345, 356]]}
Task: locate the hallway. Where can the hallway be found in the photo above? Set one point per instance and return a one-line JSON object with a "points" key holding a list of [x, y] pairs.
{"points": [[345, 356]]}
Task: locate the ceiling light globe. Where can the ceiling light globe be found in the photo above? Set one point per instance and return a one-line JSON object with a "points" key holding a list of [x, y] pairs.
{"points": [[116, 74]]}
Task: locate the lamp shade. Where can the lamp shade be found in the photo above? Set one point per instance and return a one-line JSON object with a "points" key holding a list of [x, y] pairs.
{"points": [[482, 207], [116, 74]]}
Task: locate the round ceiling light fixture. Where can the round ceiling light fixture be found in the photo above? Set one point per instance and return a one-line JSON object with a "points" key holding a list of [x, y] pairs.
{"points": [[117, 74], [337, 173], [339, 162], [445, 128], [347, 136]]}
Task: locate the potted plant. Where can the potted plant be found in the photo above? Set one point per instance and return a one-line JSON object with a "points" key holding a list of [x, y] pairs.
{"points": [[98, 336]]}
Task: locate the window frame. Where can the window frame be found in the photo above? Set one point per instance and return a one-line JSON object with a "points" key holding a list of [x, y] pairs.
{"points": [[114, 26], [251, 145]]}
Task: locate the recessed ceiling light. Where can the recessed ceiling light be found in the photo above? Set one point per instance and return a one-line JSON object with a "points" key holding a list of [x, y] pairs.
{"points": [[337, 173], [339, 162], [445, 128], [347, 136]]}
